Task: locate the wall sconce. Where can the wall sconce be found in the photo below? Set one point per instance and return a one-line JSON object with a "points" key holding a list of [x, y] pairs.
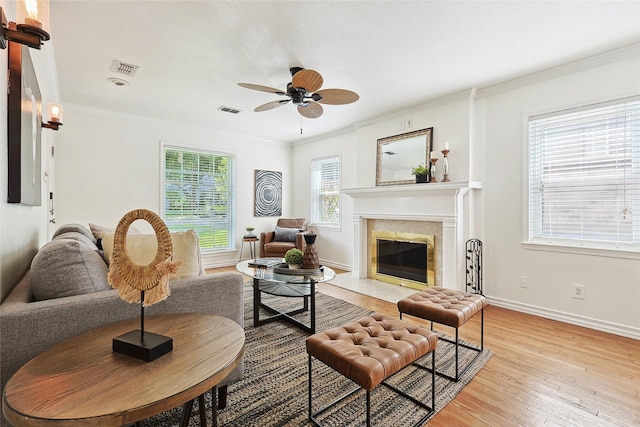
{"points": [[54, 112], [32, 27]]}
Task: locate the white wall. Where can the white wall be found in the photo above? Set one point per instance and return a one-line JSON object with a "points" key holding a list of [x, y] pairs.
{"points": [[23, 229], [108, 164], [450, 118], [334, 246], [485, 132], [612, 284]]}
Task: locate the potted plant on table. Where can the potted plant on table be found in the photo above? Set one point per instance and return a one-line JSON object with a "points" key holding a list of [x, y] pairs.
{"points": [[293, 258], [421, 173]]}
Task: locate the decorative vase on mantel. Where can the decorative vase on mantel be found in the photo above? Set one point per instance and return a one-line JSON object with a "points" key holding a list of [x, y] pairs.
{"points": [[422, 178], [310, 258]]}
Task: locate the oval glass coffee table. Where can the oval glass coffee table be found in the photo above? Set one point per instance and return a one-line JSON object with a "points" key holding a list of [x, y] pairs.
{"points": [[270, 277]]}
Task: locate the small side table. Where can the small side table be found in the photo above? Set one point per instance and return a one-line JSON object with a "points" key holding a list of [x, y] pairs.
{"points": [[251, 240]]}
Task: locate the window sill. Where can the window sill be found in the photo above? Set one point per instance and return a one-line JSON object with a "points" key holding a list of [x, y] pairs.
{"points": [[325, 227], [582, 250]]}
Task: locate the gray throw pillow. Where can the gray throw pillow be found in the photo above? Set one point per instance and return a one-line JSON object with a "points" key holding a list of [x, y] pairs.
{"points": [[286, 234], [77, 228], [78, 237], [66, 267]]}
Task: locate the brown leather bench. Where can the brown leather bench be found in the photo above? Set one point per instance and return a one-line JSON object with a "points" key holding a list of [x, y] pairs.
{"points": [[368, 352], [448, 307]]}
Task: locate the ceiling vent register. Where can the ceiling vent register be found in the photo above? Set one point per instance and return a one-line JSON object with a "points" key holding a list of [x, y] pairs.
{"points": [[120, 67], [228, 109]]}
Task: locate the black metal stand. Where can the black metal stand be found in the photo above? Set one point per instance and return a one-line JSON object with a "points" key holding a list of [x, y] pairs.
{"points": [[309, 304], [474, 266], [145, 346]]}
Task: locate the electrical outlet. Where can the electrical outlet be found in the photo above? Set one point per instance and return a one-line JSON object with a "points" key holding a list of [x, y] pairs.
{"points": [[524, 282], [409, 123], [578, 291]]}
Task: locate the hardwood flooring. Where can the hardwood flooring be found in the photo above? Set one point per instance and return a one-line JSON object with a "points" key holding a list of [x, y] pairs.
{"points": [[542, 372]]}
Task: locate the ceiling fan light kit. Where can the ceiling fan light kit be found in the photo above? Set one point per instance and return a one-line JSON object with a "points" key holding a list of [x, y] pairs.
{"points": [[303, 91]]}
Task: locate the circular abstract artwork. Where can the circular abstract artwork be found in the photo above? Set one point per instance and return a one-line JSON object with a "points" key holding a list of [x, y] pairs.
{"points": [[268, 193]]}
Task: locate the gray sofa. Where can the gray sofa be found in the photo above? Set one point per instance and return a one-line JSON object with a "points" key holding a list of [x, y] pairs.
{"points": [[32, 322]]}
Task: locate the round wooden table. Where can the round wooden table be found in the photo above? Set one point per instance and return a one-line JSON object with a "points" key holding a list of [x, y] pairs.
{"points": [[83, 382]]}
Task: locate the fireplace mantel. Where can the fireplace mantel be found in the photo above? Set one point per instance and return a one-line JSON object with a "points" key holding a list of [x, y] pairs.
{"points": [[445, 202], [436, 188]]}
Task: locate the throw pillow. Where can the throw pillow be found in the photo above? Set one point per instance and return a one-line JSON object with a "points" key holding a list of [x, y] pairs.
{"points": [[78, 237], [99, 230], [142, 249], [76, 228], [67, 267], [286, 234]]}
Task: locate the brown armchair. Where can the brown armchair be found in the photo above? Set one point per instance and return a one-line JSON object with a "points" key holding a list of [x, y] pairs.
{"points": [[276, 243]]}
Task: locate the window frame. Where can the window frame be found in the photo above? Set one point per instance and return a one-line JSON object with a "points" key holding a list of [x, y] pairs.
{"points": [[231, 245], [572, 246], [337, 225]]}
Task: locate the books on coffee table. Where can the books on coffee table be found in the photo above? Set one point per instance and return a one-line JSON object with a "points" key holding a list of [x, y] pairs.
{"points": [[265, 262]]}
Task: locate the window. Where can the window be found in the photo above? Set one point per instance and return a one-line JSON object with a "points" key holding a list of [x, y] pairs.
{"points": [[584, 176], [199, 194], [325, 192]]}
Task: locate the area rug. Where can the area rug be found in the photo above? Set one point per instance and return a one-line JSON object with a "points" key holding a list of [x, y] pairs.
{"points": [[274, 389]]}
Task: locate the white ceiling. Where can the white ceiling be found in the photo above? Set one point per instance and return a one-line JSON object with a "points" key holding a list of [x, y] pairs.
{"points": [[394, 54]]}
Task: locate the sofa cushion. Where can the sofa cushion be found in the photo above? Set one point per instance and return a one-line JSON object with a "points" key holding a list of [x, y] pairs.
{"points": [[74, 228], [79, 237], [142, 249], [67, 267], [286, 234]]}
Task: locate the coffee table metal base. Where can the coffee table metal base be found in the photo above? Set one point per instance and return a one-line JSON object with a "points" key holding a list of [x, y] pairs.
{"points": [[305, 291]]}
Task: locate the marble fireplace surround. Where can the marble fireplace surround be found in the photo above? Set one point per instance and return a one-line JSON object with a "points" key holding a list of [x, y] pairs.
{"points": [[442, 209]]}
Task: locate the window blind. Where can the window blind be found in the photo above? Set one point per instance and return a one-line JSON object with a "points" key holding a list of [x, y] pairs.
{"points": [[199, 194], [584, 175], [325, 191]]}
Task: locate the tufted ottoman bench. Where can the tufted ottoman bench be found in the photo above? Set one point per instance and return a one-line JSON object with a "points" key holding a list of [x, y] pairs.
{"points": [[448, 307], [368, 352]]}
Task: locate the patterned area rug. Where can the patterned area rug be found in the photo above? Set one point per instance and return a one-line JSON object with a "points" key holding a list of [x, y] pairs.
{"points": [[274, 389]]}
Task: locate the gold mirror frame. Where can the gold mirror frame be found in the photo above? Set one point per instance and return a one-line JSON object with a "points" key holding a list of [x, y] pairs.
{"points": [[399, 153]]}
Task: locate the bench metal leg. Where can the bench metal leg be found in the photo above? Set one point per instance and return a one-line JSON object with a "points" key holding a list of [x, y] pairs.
{"points": [[430, 409], [458, 345]]}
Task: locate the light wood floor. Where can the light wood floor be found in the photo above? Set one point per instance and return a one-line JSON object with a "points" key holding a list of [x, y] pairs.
{"points": [[542, 372]]}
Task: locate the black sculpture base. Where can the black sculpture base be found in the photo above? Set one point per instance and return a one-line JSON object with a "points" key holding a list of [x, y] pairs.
{"points": [[151, 348]]}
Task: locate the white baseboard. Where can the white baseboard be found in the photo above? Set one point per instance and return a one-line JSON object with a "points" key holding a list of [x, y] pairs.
{"points": [[599, 325], [332, 264]]}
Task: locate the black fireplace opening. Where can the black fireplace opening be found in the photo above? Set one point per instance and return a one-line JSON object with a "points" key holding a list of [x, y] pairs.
{"points": [[406, 260]]}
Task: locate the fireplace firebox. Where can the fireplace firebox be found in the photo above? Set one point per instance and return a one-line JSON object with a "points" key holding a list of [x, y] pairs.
{"points": [[405, 259]]}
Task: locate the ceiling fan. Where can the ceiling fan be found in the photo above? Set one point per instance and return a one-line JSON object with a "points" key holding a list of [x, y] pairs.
{"points": [[303, 92]]}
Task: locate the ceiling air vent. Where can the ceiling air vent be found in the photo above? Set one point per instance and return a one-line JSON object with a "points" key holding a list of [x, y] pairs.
{"points": [[228, 109], [124, 68]]}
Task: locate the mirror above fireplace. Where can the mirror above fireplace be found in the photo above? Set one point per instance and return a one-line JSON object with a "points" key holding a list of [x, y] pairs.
{"points": [[399, 153]]}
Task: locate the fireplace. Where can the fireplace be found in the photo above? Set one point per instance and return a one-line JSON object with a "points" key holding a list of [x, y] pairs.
{"points": [[405, 259], [444, 210]]}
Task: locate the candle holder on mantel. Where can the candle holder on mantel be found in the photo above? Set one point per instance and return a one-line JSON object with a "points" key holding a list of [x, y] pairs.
{"points": [[445, 166], [433, 169]]}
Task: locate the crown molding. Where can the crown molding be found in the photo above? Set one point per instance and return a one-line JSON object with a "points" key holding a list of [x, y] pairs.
{"points": [[610, 57], [126, 116]]}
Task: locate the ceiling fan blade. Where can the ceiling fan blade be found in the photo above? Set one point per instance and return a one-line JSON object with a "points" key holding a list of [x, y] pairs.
{"points": [[310, 80], [311, 111], [262, 88], [271, 105], [337, 96]]}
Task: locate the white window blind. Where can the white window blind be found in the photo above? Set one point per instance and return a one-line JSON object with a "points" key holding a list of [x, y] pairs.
{"points": [[325, 191], [199, 194], [584, 176]]}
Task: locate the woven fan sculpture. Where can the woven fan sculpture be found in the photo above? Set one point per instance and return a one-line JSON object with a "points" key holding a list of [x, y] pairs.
{"points": [[146, 284]]}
